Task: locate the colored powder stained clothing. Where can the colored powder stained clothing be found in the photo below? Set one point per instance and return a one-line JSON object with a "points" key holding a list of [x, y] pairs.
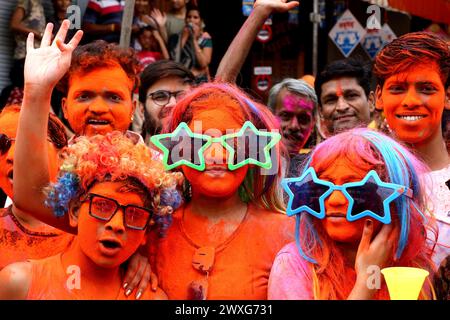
{"points": [[147, 57], [105, 12], [291, 276], [50, 281], [439, 195], [241, 266], [18, 243], [34, 19]]}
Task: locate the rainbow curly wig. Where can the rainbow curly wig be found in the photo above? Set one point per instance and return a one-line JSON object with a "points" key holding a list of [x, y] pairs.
{"points": [[114, 157]]}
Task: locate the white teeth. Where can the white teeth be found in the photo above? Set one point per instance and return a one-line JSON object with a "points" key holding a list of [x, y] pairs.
{"points": [[411, 118]]}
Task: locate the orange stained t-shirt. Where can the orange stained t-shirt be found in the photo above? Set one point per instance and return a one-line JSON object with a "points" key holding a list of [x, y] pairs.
{"points": [[241, 267], [50, 281], [18, 243]]}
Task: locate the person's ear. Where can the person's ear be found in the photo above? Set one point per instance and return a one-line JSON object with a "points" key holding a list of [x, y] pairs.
{"points": [[73, 215], [141, 108], [378, 98], [371, 99], [64, 106]]}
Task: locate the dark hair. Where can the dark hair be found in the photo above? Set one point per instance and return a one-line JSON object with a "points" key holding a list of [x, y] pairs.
{"points": [[100, 54], [351, 67], [410, 49], [153, 73]]}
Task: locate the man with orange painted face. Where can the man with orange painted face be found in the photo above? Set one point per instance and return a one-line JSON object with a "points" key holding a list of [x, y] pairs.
{"points": [[411, 74], [98, 80], [343, 91], [21, 235]]}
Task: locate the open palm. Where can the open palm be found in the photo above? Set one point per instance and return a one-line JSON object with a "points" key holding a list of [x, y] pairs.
{"points": [[46, 65]]}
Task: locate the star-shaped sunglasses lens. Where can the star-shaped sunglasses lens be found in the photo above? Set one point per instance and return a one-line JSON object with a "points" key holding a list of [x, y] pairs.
{"points": [[248, 146], [369, 197]]}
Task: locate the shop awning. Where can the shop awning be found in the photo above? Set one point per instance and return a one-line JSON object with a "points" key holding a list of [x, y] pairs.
{"points": [[436, 10]]}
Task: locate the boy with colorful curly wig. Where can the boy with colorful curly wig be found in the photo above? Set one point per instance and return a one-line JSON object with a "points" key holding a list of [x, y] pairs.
{"points": [[113, 191]]}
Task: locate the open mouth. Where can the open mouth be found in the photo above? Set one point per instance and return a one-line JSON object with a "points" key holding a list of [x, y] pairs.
{"points": [[111, 244], [410, 117], [97, 122]]}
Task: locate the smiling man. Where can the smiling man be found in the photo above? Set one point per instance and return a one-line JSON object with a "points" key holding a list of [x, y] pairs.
{"points": [[343, 89], [411, 74]]}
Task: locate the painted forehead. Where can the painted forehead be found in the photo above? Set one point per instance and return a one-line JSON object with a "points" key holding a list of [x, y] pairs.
{"points": [[292, 102], [218, 112], [341, 84], [419, 73], [9, 121], [107, 78]]}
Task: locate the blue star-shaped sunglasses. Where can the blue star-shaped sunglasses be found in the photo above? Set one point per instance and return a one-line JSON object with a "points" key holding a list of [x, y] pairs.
{"points": [[369, 197]]}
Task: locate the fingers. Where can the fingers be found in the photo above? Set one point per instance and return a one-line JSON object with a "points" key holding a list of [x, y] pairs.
{"points": [[153, 281], [72, 44], [30, 42], [366, 236], [383, 236], [62, 32], [144, 282], [292, 4], [47, 38], [137, 278], [131, 271]]}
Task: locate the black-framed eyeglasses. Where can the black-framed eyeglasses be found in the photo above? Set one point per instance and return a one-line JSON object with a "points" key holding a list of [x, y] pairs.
{"points": [[162, 97], [104, 208], [5, 143]]}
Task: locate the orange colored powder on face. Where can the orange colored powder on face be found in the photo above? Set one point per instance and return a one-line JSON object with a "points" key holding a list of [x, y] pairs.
{"points": [[92, 231], [99, 101], [8, 125], [413, 102], [216, 180], [335, 223]]}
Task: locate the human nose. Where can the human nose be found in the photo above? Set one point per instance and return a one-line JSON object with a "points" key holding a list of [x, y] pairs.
{"points": [[215, 154], [172, 102], [10, 153], [336, 200], [341, 104], [412, 99], [98, 105], [116, 223]]}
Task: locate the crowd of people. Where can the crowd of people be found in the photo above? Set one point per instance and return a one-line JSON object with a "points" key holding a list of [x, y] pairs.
{"points": [[212, 193]]}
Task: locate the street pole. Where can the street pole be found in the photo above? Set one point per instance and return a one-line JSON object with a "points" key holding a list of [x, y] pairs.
{"points": [[127, 22], [315, 19]]}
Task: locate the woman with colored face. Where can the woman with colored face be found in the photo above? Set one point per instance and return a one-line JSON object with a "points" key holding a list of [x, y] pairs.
{"points": [[193, 46], [224, 239], [359, 208], [22, 236], [412, 73], [113, 192]]}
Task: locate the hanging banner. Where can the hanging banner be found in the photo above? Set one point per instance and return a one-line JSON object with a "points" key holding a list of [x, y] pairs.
{"points": [[247, 7], [388, 34], [372, 42], [263, 78], [347, 33], [265, 34]]}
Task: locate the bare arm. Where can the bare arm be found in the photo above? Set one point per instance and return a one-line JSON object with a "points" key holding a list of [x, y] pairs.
{"points": [[237, 52], [44, 67], [203, 55], [15, 281], [17, 26], [101, 29], [162, 45]]}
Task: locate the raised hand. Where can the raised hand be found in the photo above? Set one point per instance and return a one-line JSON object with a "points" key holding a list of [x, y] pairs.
{"points": [[159, 17], [379, 251], [275, 5], [46, 65]]}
